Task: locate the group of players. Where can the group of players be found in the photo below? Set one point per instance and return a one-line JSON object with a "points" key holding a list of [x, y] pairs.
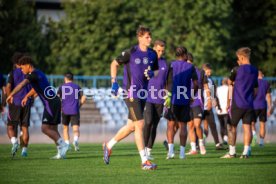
{"points": [[181, 92], [189, 98], [26, 83]]}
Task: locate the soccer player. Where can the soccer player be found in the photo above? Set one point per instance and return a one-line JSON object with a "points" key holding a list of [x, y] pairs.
{"points": [[223, 116], [196, 111], [208, 116], [72, 99], [18, 115], [155, 101], [262, 106], [245, 81], [140, 64], [178, 99], [52, 104]]}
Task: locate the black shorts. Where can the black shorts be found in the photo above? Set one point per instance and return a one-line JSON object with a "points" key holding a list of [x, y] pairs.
{"points": [[224, 118], [261, 114], [73, 119], [178, 113], [236, 114], [196, 112], [19, 115], [52, 112], [135, 108]]}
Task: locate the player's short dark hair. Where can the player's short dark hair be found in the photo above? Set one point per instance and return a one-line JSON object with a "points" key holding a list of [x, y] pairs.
{"points": [[244, 51], [142, 30], [161, 43], [190, 57], [225, 81], [25, 60], [181, 52], [16, 56], [206, 66], [69, 76]]}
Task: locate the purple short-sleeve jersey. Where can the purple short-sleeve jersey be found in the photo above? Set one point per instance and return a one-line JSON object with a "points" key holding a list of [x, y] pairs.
{"points": [[15, 77], [135, 63], [70, 95], [158, 84], [245, 78], [182, 73], [42, 87], [260, 99]]}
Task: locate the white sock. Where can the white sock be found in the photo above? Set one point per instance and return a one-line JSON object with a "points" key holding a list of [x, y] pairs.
{"points": [[143, 156], [171, 149], [253, 132], [225, 138], [262, 141], [232, 150], [182, 151], [148, 151], [13, 140], [24, 149], [201, 143], [60, 141], [245, 150], [76, 138], [217, 144], [67, 141], [111, 143], [193, 146]]}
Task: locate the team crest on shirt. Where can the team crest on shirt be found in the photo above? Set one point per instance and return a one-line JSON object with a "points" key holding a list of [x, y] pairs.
{"points": [[163, 68], [123, 53], [145, 60], [137, 61]]}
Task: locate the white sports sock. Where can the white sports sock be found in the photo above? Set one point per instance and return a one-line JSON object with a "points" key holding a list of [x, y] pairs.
{"points": [[67, 141], [245, 150], [182, 151], [143, 156], [232, 150], [171, 149], [193, 146], [225, 138], [201, 143], [76, 138], [148, 151], [24, 149], [13, 140], [60, 141], [253, 132], [262, 141], [111, 143], [217, 144]]}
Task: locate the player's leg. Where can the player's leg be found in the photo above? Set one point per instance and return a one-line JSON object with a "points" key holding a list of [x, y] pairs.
{"points": [[76, 133], [170, 138], [65, 122], [192, 137], [157, 113], [211, 121], [25, 139], [12, 126], [263, 118], [149, 118], [199, 133], [183, 138], [246, 139]]}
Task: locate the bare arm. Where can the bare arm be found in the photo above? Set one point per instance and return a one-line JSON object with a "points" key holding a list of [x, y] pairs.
{"points": [[230, 94], [8, 89], [269, 104], [19, 87], [113, 70]]}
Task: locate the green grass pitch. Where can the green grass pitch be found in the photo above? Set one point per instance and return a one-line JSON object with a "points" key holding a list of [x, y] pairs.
{"points": [[87, 166]]}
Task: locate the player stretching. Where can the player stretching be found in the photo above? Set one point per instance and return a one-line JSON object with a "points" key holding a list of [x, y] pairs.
{"points": [[52, 105], [137, 61]]}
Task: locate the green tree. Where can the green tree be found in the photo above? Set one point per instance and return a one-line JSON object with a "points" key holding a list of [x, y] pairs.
{"points": [[20, 31]]}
